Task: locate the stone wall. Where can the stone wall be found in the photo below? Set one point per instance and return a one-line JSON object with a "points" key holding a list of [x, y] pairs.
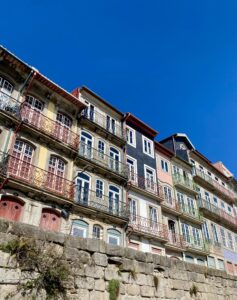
{"points": [[95, 264]]}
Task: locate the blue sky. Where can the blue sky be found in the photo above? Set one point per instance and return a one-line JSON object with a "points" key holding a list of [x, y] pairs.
{"points": [[171, 63]]}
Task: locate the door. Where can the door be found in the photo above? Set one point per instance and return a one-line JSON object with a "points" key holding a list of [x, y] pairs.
{"points": [[153, 216], [185, 232], [56, 172], [114, 159], [150, 180], [50, 220], [86, 145], [172, 233], [196, 237], [114, 200], [62, 127], [31, 111], [181, 201], [168, 195], [20, 161], [131, 169], [110, 124], [11, 208], [133, 210], [208, 200], [83, 186], [191, 206], [5, 92]]}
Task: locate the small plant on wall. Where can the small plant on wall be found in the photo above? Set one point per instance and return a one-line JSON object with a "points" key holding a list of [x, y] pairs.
{"points": [[113, 289], [193, 290]]}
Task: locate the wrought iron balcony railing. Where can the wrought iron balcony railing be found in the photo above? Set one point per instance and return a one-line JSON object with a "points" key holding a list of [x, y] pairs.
{"points": [[218, 187], [146, 184], [196, 243], [190, 211], [176, 240], [223, 215], [105, 122], [101, 202], [148, 226], [102, 159], [24, 112], [185, 182]]}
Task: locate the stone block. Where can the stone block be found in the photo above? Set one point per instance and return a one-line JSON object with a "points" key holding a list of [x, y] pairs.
{"points": [[114, 250], [83, 294], [7, 261], [87, 283], [146, 268], [95, 295], [147, 291], [94, 271], [100, 259], [111, 273], [9, 276], [99, 285], [133, 289]]}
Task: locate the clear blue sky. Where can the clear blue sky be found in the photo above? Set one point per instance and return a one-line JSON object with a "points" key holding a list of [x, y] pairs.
{"points": [[171, 63]]}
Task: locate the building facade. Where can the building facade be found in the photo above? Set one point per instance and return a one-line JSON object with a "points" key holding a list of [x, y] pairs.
{"points": [[73, 163]]}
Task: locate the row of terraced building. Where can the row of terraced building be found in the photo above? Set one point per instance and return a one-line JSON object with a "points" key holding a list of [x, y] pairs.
{"points": [[71, 162]]}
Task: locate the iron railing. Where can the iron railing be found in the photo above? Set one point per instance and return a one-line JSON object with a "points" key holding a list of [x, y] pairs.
{"points": [[148, 226], [188, 210], [220, 188], [177, 240], [24, 112], [196, 243], [101, 202], [185, 182], [101, 120], [145, 184], [217, 211], [102, 159]]}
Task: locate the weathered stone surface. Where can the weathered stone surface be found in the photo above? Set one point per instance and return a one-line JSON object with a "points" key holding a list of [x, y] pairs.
{"points": [[87, 283], [133, 289], [147, 291], [83, 295], [94, 271], [99, 285], [9, 275], [100, 259]]}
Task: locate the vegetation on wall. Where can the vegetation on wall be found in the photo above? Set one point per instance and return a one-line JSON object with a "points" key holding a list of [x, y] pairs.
{"points": [[47, 271], [113, 289], [193, 290]]}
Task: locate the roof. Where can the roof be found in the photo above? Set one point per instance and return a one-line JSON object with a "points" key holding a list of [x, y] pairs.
{"points": [[183, 135], [161, 148], [41, 78], [86, 89], [141, 125]]}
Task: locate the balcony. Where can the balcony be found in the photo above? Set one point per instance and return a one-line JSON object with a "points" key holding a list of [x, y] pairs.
{"points": [[213, 185], [217, 213], [99, 202], [190, 213], [94, 119], [148, 228], [146, 186], [103, 162], [184, 183], [175, 241], [171, 205], [215, 247], [196, 245], [35, 119]]}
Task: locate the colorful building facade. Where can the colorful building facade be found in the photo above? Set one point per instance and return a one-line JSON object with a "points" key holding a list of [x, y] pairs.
{"points": [[73, 163]]}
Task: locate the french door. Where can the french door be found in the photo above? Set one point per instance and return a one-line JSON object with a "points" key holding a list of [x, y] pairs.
{"points": [[62, 127], [32, 110], [153, 216], [56, 172], [86, 145], [131, 169], [150, 179], [114, 159], [172, 233], [114, 199], [83, 186], [191, 206], [133, 210], [20, 161]]}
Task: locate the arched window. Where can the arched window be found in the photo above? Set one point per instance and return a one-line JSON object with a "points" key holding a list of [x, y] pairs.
{"points": [[79, 228], [62, 127], [11, 208], [97, 231], [56, 173], [114, 199], [21, 159], [113, 237], [189, 258], [114, 159], [50, 219], [86, 145], [31, 110], [83, 188]]}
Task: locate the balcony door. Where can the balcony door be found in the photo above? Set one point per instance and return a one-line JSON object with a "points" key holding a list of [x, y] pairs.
{"points": [[172, 233], [62, 127], [20, 162], [114, 159], [110, 124], [153, 217], [56, 173], [133, 210], [150, 179], [131, 163], [83, 188], [31, 111], [191, 206], [114, 197], [86, 145], [6, 89]]}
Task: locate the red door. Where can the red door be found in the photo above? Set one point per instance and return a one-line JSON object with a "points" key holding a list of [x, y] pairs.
{"points": [[55, 178], [62, 127], [50, 220], [11, 209], [20, 162]]}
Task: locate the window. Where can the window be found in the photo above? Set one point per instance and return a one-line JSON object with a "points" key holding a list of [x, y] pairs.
{"points": [[209, 173], [223, 237], [164, 166], [150, 179], [192, 162], [230, 241], [5, 87], [211, 262], [82, 188], [101, 149], [86, 145], [79, 228], [131, 136], [97, 230], [176, 170], [205, 231], [189, 259], [114, 159], [110, 125], [185, 232], [114, 237], [99, 188], [168, 194], [180, 198], [196, 236], [200, 261], [34, 103], [216, 178], [153, 216], [114, 196], [56, 172], [229, 209], [191, 206], [214, 232], [148, 146], [133, 209], [221, 265], [222, 205], [223, 183], [132, 168], [215, 200]]}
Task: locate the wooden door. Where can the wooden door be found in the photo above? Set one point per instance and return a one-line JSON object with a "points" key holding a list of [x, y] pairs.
{"points": [[50, 220], [11, 209]]}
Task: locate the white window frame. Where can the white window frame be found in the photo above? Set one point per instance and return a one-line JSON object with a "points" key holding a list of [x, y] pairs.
{"points": [[166, 165], [154, 176], [144, 138], [135, 166], [103, 188], [133, 131]]}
